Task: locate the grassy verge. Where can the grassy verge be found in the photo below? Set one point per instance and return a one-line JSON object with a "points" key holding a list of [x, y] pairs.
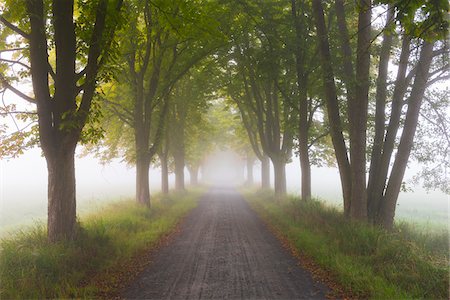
{"points": [[368, 262], [30, 267]]}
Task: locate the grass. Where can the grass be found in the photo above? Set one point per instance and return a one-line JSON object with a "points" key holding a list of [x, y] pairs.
{"points": [[367, 261], [30, 267]]}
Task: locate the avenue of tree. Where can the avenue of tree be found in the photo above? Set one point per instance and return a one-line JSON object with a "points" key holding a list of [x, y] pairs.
{"points": [[352, 84]]}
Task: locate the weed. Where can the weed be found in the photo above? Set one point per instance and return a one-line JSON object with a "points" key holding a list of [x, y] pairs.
{"points": [[31, 267], [404, 263]]}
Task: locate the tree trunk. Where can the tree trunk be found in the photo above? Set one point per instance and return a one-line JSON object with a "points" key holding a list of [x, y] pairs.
{"points": [[303, 149], [302, 82], [279, 167], [380, 118], [407, 139], [164, 174], [142, 181], [178, 158], [358, 115], [306, 175], [332, 105], [250, 162], [265, 173], [381, 172], [193, 174], [61, 224]]}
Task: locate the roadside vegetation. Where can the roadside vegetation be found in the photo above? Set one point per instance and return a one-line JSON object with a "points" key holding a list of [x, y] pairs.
{"points": [[109, 241], [368, 262]]}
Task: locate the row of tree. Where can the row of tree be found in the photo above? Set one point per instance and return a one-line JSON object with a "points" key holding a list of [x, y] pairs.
{"points": [[313, 70], [165, 82]]}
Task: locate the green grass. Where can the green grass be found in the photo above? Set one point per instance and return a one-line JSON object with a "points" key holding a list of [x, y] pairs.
{"points": [[367, 261], [30, 267]]}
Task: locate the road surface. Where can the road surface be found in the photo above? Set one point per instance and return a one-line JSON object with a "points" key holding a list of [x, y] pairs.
{"points": [[224, 251]]}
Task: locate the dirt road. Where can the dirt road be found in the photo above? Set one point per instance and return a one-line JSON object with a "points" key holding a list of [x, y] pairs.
{"points": [[224, 251]]}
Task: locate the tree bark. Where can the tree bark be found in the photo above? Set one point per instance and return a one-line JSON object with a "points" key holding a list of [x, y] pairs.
{"points": [[265, 172], [302, 82], [358, 115], [279, 166], [380, 117], [407, 138], [61, 223], [193, 174], [381, 173], [332, 105], [142, 180], [164, 174], [305, 166], [179, 162], [303, 148]]}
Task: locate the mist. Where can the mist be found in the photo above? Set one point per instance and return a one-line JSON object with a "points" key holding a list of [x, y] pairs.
{"points": [[23, 187], [223, 169]]}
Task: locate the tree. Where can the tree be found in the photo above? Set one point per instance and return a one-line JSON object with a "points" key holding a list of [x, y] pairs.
{"points": [[249, 124], [63, 91], [161, 43], [163, 155], [189, 104], [376, 202], [199, 143], [258, 55], [267, 43], [302, 24]]}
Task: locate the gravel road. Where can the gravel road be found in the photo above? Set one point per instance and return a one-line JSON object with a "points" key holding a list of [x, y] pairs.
{"points": [[224, 251]]}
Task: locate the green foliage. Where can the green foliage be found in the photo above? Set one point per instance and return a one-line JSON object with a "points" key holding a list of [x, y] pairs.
{"points": [[15, 70], [424, 19], [31, 267], [365, 260], [433, 142]]}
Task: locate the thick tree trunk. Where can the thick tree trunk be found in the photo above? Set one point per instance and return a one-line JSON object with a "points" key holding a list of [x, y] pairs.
{"points": [[193, 174], [179, 162], [358, 115], [164, 174], [61, 224], [250, 162], [332, 105], [302, 81], [306, 175], [279, 167], [406, 141], [380, 118], [380, 175], [142, 181], [265, 173], [303, 149]]}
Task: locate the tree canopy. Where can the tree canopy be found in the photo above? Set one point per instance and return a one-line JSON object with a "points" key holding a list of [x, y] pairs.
{"points": [[355, 84]]}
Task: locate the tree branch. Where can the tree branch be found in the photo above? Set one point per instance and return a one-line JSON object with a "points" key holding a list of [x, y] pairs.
{"points": [[436, 79], [14, 28], [16, 62], [128, 114], [12, 49], [16, 91], [315, 140]]}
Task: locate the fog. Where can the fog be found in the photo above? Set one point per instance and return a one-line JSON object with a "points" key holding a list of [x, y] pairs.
{"points": [[23, 187], [223, 169]]}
